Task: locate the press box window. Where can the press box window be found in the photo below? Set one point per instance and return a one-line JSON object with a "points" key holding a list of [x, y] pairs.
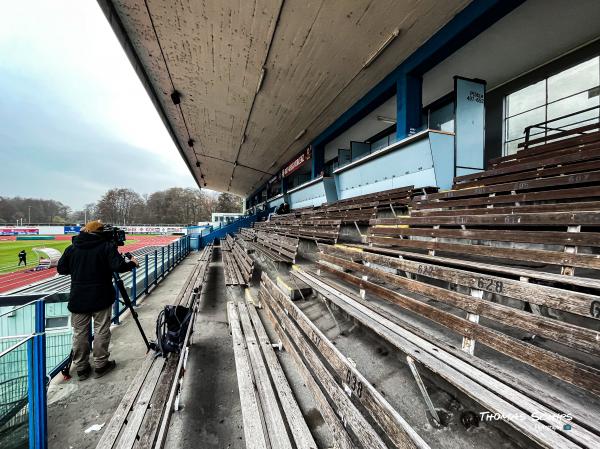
{"points": [[572, 90]]}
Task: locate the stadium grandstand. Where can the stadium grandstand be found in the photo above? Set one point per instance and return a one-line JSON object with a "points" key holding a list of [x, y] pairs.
{"points": [[417, 264]]}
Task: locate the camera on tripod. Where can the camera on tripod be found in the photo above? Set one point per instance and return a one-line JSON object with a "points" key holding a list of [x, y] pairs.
{"points": [[113, 234]]}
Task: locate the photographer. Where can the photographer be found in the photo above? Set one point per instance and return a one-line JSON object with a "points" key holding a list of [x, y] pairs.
{"points": [[91, 261]]}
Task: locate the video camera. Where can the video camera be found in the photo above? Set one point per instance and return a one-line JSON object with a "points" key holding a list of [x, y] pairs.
{"points": [[113, 234]]}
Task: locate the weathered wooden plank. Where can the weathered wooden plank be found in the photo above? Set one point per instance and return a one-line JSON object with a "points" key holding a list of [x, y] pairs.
{"points": [[112, 430], [498, 235], [555, 365], [525, 209], [571, 157], [477, 384], [528, 255], [253, 428], [149, 427], [140, 407], [278, 436], [345, 409], [577, 337], [300, 432], [535, 184], [567, 300], [341, 438], [590, 218], [574, 193], [355, 384]]}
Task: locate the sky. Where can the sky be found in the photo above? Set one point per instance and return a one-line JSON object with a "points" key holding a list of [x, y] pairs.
{"points": [[75, 120]]}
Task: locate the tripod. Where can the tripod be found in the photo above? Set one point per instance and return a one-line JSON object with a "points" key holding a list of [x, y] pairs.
{"points": [[150, 345]]}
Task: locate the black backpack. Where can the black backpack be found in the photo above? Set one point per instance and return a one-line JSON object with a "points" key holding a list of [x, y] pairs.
{"points": [[171, 327]]}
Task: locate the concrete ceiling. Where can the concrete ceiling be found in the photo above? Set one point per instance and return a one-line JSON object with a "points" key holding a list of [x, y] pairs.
{"points": [[313, 53]]}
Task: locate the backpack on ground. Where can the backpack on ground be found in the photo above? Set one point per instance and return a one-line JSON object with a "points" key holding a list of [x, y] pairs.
{"points": [[171, 327]]}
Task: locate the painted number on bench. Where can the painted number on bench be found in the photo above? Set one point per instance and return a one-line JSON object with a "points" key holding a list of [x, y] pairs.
{"points": [[490, 285], [353, 383], [315, 338], [426, 270]]}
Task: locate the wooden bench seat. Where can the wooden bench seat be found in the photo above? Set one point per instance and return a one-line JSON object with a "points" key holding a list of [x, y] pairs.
{"points": [[227, 243], [496, 390], [312, 229], [337, 384], [238, 266], [271, 416], [278, 248], [543, 194], [551, 238], [575, 160], [248, 234]]}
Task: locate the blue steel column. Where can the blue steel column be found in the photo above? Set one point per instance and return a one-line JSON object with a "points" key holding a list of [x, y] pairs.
{"points": [[146, 273], [134, 286], [31, 404], [162, 263], [39, 351], [408, 104], [155, 267]]}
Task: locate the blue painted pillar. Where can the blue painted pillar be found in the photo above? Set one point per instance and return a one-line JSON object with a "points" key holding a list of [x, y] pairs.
{"points": [[318, 160], [39, 355], [408, 104], [284, 185]]}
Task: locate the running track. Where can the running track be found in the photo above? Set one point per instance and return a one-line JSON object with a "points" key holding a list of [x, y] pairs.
{"points": [[12, 281]]}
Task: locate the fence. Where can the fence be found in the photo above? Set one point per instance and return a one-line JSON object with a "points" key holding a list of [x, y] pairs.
{"points": [[29, 361]]}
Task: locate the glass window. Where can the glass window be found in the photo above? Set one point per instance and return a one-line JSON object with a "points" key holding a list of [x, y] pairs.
{"points": [[527, 98], [566, 93], [574, 80], [442, 118]]}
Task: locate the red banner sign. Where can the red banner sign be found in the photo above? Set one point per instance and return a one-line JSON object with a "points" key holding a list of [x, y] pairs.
{"points": [[297, 163]]}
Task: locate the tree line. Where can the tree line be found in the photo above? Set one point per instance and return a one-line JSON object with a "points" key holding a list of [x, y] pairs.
{"points": [[124, 206]]}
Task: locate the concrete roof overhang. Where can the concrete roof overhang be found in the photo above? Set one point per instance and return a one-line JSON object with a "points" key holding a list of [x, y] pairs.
{"points": [[259, 80]]}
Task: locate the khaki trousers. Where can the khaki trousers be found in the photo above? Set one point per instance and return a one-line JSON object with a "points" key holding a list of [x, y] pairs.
{"points": [[81, 345]]}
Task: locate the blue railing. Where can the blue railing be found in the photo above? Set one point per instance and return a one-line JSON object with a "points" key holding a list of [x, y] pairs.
{"points": [[27, 361], [243, 222]]}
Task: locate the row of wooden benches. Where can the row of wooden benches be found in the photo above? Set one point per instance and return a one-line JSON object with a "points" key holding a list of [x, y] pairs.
{"points": [[143, 415], [510, 252], [357, 415], [238, 265]]}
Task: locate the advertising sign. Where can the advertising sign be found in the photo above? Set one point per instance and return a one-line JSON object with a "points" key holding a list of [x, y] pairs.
{"points": [[72, 229], [154, 229], [19, 231], [297, 163]]}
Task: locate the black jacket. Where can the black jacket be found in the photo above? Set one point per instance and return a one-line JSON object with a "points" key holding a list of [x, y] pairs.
{"points": [[91, 260]]}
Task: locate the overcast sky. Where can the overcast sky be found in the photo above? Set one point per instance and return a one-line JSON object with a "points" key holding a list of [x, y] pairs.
{"points": [[74, 118]]}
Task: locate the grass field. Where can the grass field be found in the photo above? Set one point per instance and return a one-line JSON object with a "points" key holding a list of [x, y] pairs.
{"points": [[9, 251]]}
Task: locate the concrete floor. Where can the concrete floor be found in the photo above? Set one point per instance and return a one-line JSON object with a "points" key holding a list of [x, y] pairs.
{"points": [[210, 415], [74, 406]]}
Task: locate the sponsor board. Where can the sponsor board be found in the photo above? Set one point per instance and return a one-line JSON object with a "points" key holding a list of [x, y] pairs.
{"points": [[19, 231], [154, 229]]}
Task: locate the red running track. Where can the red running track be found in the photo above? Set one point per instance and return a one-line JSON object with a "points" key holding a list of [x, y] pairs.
{"points": [[18, 279]]}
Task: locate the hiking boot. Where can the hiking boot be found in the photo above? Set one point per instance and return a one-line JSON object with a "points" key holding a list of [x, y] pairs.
{"points": [[85, 374], [110, 365]]}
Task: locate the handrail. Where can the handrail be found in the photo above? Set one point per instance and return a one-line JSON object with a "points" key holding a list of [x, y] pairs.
{"points": [[563, 132]]}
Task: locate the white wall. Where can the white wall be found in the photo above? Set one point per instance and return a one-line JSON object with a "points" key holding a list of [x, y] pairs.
{"points": [[367, 127], [531, 35]]}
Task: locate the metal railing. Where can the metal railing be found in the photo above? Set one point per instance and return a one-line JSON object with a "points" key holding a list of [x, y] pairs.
{"points": [[29, 361], [554, 132]]}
